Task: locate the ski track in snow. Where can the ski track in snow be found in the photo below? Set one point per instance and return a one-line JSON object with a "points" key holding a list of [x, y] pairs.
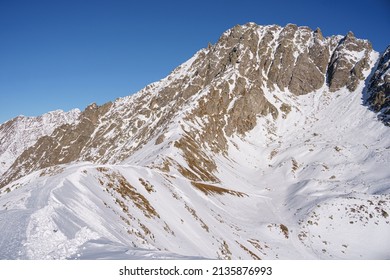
{"points": [[13, 224]]}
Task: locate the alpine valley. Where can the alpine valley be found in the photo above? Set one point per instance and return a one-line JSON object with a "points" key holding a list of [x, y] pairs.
{"points": [[273, 143]]}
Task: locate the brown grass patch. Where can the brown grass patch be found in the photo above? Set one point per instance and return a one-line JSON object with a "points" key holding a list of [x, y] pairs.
{"points": [[117, 182], [255, 243], [127, 190], [284, 229], [337, 148], [226, 254], [201, 167], [102, 169], [51, 171], [210, 189], [195, 215], [295, 165], [165, 167], [168, 229], [148, 186], [253, 255], [273, 153]]}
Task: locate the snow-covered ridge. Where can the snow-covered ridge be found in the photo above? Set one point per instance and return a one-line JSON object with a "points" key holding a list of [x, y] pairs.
{"points": [[22, 132], [379, 88]]}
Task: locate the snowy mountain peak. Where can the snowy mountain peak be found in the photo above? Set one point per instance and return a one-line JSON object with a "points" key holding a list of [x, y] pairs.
{"points": [[253, 147], [22, 132], [379, 88]]}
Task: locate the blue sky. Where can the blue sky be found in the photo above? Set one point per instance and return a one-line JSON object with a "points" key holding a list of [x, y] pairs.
{"points": [[67, 54]]}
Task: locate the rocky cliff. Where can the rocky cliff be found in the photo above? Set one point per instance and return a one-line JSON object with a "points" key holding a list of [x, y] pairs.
{"points": [[379, 88], [20, 133]]}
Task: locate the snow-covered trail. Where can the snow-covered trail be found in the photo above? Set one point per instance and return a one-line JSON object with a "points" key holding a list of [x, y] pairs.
{"points": [[13, 225], [38, 226], [15, 218]]}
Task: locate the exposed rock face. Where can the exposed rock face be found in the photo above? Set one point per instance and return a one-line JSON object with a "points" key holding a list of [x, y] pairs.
{"points": [[219, 92], [20, 133], [62, 146], [348, 62], [379, 88], [293, 64]]}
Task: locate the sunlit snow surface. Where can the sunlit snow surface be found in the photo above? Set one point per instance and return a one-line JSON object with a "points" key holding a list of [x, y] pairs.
{"points": [[60, 218]]}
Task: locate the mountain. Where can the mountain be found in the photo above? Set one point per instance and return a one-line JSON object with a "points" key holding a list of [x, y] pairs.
{"points": [[22, 132], [272, 143], [379, 88]]}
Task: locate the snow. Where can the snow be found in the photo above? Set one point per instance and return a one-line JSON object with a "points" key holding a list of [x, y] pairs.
{"points": [[66, 215]]}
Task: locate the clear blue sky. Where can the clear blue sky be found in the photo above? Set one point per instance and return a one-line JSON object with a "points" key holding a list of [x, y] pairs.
{"points": [[67, 54]]}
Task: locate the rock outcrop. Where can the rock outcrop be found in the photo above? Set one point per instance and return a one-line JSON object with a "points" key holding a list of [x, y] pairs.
{"points": [[349, 60], [20, 133], [379, 88]]}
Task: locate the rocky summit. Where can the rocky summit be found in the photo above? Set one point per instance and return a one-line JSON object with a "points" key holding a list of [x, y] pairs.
{"points": [[271, 143], [379, 88]]}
